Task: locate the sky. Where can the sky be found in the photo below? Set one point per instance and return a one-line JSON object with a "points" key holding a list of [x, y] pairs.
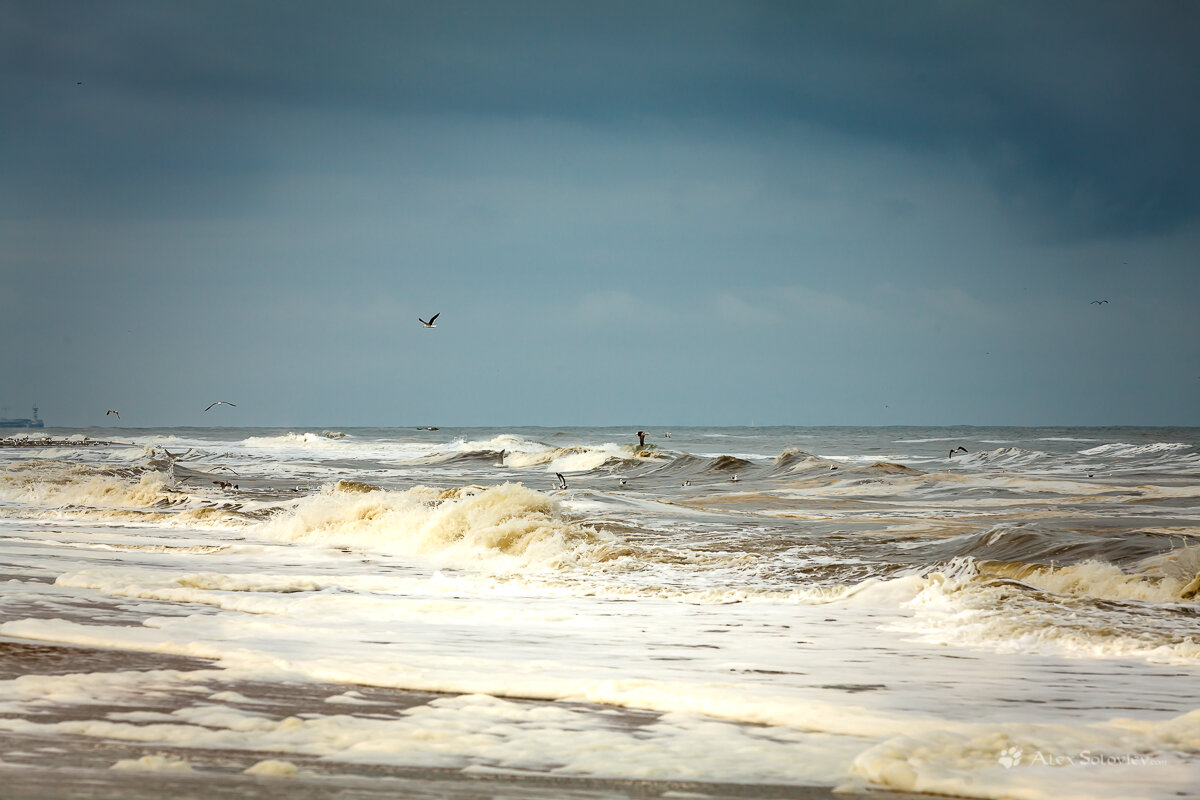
{"points": [[627, 213]]}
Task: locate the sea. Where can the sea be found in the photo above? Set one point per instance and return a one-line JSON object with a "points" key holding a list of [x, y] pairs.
{"points": [[562, 612]]}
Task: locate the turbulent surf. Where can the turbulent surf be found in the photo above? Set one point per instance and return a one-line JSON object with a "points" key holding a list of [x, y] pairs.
{"points": [[970, 612]]}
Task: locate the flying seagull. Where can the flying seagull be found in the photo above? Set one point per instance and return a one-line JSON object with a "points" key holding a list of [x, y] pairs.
{"points": [[562, 482], [957, 449], [1097, 302], [113, 411], [431, 322], [221, 403]]}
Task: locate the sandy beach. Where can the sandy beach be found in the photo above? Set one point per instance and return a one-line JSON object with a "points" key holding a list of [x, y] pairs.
{"points": [[34, 767]]}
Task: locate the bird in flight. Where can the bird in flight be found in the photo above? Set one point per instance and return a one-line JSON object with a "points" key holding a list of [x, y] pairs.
{"points": [[221, 403], [1097, 302], [432, 320], [960, 448], [562, 482], [113, 411]]}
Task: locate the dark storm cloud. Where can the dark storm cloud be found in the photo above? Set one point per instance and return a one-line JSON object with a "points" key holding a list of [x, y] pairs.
{"points": [[1087, 109], [259, 199]]}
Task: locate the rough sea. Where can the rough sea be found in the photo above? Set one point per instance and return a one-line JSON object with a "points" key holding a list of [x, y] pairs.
{"points": [[237, 612]]}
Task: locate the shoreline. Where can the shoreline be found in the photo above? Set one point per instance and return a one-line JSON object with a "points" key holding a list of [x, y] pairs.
{"points": [[97, 783], [78, 767]]}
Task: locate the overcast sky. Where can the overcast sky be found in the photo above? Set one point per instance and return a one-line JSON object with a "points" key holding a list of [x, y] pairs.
{"points": [[647, 213]]}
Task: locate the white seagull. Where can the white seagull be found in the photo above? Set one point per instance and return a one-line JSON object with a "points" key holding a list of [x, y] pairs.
{"points": [[431, 322], [221, 403], [113, 411], [562, 482]]}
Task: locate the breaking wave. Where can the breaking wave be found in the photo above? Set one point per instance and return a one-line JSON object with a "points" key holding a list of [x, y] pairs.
{"points": [[1006, 457], [1091, 609], [501, 528], [1031, 543], [59, 484], [515, 452], [569, 459], [322, 439], [1126, 450]]}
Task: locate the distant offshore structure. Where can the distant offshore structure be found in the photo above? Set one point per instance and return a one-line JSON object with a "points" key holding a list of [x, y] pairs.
{"points": [[22, 422]]}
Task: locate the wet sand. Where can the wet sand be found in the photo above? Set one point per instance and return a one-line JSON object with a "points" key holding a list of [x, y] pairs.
{"points": [[35, 767]]}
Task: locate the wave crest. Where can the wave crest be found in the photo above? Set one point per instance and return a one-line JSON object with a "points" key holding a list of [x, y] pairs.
{"points": [[1126, 450], [57, 484], [1018, 608], [500, 528], [727, 464], [1009, 457], [322, 439]]}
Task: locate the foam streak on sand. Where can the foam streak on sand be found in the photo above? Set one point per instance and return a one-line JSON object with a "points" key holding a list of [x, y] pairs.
{"points": [[997, 626]]}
